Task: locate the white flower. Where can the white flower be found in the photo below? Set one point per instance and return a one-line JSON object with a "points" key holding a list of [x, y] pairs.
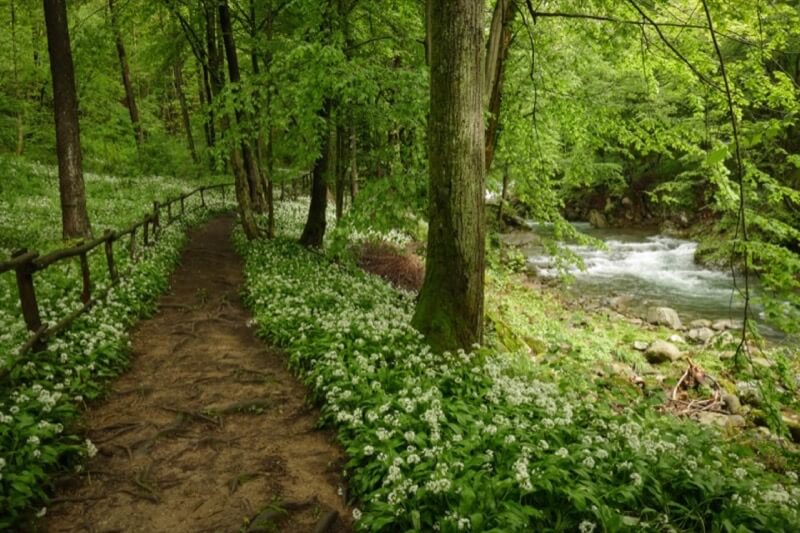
{"points": [[356, 514], [587, 527], [636, 479], [368, 450], [41, 512], [562, 452], [91, 449], [588, 462]]}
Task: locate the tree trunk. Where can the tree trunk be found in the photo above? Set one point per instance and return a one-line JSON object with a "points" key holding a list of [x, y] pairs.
{"points": [[204, 91], [250, 163], [341, 168], [130, 97], [239, 163], [450, 307], [74, 218], [314, 230], [500, 35], [353, 165], [187, 124], [17, 85], [503, 194]]}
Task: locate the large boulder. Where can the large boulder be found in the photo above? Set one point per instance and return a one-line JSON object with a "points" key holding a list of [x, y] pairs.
{"points": [[662, 352], [597, 219], [664, 316], [726, 323], [700, 323]]}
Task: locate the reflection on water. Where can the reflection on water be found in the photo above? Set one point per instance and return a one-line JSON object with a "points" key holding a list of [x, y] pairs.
{"points": [[653, 269]]}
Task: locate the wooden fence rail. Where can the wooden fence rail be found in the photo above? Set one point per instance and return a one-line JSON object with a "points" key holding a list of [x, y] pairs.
{"points": [[25, 263]]}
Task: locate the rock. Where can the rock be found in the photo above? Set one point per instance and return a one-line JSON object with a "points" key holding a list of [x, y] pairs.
{"points": [[762, 362], [662, 352], [700, 335], [636, 321], [640, 345], [792, 422], [700, 323], [664, 316], [677, 339], [708, 418], [618, 303], [721, 420], [748, 392], [597, 219], [725, 324], [732, 403]]}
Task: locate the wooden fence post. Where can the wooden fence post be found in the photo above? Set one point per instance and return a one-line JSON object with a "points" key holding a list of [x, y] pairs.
{"points": [[183, 209], [27, 293], [156, 218], [86, 293], [132, 245], [112, 268], [146, 237], [202, 197]]}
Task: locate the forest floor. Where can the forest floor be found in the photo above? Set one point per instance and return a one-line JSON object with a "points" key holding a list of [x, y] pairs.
{"points": [[208, 430]]}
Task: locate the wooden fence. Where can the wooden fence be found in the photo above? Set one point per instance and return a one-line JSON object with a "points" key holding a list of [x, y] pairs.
{"points": [[25, 263]]}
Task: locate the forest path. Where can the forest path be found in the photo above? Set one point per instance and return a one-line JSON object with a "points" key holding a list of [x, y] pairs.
{"points": [[207, 429]]}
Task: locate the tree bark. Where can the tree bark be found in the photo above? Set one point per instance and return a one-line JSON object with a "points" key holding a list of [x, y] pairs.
{"points": [[250, 162], [239, 162], [341, 168], [353, 165], [500, 36], [17, 86], [130, 97], [314, 230], [450, 307], [74, 218], [187, 124]]}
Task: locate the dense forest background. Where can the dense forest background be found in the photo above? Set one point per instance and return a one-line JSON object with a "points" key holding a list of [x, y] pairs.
{"points": [[614, 111]]}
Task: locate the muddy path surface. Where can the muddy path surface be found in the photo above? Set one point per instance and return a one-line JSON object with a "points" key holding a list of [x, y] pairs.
{"points": [[208, 430]]}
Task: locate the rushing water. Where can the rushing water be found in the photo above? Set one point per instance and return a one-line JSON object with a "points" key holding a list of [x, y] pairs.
{"points": [[652, 269]]}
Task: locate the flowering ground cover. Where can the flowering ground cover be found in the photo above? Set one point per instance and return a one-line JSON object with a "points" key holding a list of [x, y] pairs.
{"points": [[42, 393], [489, 440]]}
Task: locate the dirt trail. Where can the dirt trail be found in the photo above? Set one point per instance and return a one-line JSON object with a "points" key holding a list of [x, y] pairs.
{"points": [[207, 429]]}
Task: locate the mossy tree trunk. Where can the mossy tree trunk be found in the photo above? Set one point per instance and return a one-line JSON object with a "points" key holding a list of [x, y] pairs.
{"points": [[450, 307], [74, 218]]}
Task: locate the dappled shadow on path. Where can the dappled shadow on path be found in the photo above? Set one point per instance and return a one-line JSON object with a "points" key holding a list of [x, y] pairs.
{"points": [[208, 429]]}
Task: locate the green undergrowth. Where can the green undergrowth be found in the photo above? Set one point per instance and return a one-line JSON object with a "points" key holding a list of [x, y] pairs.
{"points": [[42, 394], [493, 440]]}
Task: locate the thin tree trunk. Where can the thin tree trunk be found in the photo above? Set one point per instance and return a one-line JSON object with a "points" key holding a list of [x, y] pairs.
{"points": [[450, 307], [17, 86], [250, 163], [187, 124], [500, 35], [353, 165], [341, 169], [314, 230], [130, 97], [238, 162], [503, 194], [74, 218], [204, 91]]}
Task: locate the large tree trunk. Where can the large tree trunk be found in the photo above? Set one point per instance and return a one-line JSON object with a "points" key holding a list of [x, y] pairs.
{"points": [[500, 35], [74, 218], [250, 162], [187, 124], [450, 307], [130, 97], [314, 230]]}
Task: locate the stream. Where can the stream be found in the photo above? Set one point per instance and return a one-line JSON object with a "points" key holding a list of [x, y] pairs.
{"points": [[651, 269]]}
